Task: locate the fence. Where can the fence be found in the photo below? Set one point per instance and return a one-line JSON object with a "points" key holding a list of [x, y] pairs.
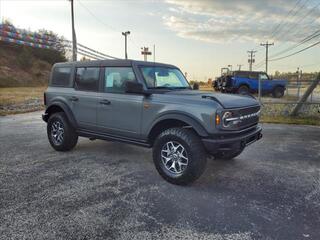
{"points": [[301, 98]]}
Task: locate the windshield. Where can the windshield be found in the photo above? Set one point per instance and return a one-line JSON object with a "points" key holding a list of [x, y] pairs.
{"points": [[164, 77]]}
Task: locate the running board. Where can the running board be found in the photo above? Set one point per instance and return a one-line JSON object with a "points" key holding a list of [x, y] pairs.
{"points": [[91, 135]]}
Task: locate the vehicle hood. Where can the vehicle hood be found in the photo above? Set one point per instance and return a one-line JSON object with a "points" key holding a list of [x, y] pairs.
{"points": [[225, 100]]}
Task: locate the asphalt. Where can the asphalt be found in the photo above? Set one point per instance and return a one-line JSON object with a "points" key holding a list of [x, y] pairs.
{"points": [[105, 190]]}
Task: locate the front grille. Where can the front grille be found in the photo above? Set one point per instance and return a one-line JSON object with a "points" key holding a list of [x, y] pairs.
{"points": [[248, 116], [241, 118]]}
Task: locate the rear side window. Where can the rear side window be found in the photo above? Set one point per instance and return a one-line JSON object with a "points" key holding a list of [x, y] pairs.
{"points": [[253, 76], [242, 75], [61, 76], [87, 79]]}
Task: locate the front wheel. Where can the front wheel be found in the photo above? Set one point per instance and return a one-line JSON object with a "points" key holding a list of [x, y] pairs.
{"points": [[179, 156]]}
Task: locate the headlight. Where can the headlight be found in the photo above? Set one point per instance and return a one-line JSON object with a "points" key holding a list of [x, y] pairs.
{"points": [[227, 120]]}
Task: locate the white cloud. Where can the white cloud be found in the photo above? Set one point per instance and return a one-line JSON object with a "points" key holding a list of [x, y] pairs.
{"points": [[242, 20]]}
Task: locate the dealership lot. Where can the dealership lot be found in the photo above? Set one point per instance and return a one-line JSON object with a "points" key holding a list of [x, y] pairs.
{"points": [[105, 190]]}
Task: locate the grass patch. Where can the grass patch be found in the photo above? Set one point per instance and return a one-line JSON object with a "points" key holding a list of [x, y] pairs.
{"points": [[17, 95], [21, 99]]}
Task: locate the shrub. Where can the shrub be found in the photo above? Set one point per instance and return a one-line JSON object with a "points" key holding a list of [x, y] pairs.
{"points": [[25, 58]]}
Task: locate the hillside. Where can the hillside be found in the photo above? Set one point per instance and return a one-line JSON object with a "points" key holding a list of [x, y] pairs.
{"points": [[22, 66]]}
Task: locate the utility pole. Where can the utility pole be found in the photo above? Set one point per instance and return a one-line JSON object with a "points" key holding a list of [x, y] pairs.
{"points": [[239, 65], [125, 34], [145, 52], [251, 59], [267, 48], [74, 38]]}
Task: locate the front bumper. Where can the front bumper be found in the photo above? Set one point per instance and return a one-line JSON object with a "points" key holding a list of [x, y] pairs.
{"points": [[231, 143], [45, 117]]}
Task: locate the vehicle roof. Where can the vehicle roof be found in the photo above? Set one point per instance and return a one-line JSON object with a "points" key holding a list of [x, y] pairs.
{"points": [[112, 62], [248, 71]]}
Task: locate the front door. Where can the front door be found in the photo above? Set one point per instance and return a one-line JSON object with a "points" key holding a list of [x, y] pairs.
{"points": [[119, 113], [84, 98]]}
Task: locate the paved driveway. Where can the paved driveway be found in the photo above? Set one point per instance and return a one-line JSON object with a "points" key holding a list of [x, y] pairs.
{"points": [[105, 190]]}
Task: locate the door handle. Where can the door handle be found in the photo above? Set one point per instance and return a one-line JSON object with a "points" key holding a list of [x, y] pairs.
{"points": [[105, 102], [73, 99]]}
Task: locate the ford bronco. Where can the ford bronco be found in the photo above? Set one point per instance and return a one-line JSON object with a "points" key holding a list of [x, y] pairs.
{"points": [[244, 82], [150, 105]]}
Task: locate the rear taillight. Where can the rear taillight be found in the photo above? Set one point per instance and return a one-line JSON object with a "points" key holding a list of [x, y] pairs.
{"points": [[44, 99]]}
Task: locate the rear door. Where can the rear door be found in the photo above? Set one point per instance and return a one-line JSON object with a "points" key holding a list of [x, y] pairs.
{"points": [[84, 98]]}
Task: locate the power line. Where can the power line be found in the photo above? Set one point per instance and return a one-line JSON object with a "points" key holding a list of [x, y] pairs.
{"points": [[295, 30], [87, 55], [292, 54], [94, 16], [306, 39], [290, 25], [96, 52], [102, 22], [289, 13]]}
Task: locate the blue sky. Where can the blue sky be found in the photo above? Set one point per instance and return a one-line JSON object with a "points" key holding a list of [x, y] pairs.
{"points": [[198, 36]]}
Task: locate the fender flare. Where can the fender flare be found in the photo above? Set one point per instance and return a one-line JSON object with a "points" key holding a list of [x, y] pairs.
{"points": [[181, 117], [66, 109]]}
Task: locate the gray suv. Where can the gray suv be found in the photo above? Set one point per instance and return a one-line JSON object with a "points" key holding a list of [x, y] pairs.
{"points": [[150, 105]]}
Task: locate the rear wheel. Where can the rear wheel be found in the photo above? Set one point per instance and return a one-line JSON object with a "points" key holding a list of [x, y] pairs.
{"points": [[179, 156], [243, 90], [278, 92], [62, 136]]}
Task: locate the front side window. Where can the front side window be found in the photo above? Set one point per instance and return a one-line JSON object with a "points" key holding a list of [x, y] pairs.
{"points": [[164, 77], [61, 76], [87, 79], [264, 76], [115, 78]]}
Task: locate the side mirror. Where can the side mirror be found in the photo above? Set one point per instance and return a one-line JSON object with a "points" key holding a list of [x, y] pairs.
{"points": [[195, 86], [134, 87]]}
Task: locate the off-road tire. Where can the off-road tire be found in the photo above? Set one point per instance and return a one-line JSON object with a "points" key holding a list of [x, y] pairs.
{"points": [[70, 137], [196, 154], [224, 155], [244, 90], [278, 92]]}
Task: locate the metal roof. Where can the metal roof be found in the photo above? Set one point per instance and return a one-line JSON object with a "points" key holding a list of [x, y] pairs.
{"points": [[112, 62]]}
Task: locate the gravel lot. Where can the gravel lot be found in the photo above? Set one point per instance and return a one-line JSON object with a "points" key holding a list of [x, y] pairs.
{"points": [[105, 190]]}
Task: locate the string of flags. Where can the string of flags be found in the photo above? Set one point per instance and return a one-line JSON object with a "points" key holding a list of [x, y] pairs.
{"points": [[10, 34]]}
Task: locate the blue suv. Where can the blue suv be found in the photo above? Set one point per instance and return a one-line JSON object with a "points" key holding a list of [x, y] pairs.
{"points": [[244, 82]]}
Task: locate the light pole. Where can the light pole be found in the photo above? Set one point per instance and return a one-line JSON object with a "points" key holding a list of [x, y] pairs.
{"points": [[74, 38], [230, 66], [125, 42]]}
